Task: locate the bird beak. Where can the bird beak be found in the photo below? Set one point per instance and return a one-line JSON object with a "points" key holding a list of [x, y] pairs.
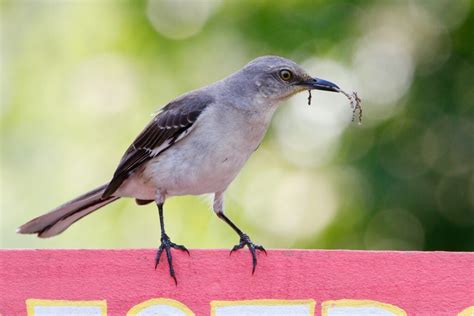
{"points": [[319, 84]]}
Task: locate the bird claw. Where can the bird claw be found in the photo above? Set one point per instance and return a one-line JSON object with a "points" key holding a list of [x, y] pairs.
{"points": [[245, 241], [166, 245]]}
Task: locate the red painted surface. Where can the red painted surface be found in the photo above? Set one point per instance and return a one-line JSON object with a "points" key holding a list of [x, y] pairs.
{"points": [[421, 283]]}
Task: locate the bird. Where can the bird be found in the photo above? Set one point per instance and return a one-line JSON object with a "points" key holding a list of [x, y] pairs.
{"points": [[196, 144]]}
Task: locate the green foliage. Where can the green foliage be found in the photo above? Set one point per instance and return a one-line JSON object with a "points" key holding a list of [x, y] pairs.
{"points": [[80, 78]]}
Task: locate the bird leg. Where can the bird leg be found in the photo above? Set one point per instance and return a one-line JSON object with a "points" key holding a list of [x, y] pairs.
{"points": [[244, 241], [166, 245]]}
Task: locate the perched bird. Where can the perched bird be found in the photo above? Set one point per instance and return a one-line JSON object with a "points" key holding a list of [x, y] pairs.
{"points": [[195, 145]]}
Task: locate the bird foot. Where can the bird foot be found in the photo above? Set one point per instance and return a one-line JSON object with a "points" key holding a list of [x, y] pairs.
{"points": [[166, 245], [245, 241]]}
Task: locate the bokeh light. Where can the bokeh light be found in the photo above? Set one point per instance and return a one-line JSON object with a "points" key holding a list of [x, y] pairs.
{"points": [[179, 19], [80, 79], [105, 84]]}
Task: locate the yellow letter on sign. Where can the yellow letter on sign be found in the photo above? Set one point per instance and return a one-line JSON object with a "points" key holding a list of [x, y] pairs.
{"points": [[62, 307], [263, 308], [160, 306], [360, 308]]}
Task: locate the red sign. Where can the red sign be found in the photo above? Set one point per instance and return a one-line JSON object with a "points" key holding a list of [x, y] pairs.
{"points": [[210, 282]]}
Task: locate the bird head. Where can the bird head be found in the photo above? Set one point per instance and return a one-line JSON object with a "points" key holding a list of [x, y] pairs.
{"points": [[276, 78]]}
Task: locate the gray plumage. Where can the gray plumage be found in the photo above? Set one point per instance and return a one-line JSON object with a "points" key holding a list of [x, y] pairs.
{"points": [[161, 133], [196, 144]]}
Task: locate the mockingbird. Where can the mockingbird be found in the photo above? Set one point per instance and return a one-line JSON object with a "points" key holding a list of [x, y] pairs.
{"points": [[196, 144]]}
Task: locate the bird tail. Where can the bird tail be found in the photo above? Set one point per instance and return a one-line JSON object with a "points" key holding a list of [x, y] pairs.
{"points": [[56, 221]]}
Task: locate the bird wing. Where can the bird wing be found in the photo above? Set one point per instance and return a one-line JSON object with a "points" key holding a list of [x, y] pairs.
{"points": [[171, 124]]}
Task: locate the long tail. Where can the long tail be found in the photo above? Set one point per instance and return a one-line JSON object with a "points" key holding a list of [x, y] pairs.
{"points": [[56, 221]]}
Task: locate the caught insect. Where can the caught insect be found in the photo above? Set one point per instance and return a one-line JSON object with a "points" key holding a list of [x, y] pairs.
{"points": [[353, 99], [355, 104]]}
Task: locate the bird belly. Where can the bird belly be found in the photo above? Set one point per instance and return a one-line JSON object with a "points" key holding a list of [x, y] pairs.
{"points": [[205, 161], [182, 171], [190, 167]]}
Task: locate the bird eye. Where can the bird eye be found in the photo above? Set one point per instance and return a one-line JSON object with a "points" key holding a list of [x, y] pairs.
{"points": [[285, 75]]}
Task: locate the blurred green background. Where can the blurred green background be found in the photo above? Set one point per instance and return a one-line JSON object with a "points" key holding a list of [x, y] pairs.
{"points": [[80, 79]]}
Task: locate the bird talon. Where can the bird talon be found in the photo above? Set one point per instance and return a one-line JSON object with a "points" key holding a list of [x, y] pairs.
{"points": [[246, 241], [180, 247], [237, 247], [158, 255], [166, 246], [259, 247]]}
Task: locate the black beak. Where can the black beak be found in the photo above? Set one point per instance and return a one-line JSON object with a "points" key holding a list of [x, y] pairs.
{"points": [[319, 84]]}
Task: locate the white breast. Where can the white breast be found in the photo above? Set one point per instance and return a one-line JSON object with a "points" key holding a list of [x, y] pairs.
{"points": [[206, 160]]}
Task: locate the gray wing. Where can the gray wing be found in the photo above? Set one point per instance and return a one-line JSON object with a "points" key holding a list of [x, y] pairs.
{"points": [[171, 123]]}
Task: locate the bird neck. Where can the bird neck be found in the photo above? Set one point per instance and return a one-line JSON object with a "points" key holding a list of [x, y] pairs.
{"points": [[246, 96]]}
